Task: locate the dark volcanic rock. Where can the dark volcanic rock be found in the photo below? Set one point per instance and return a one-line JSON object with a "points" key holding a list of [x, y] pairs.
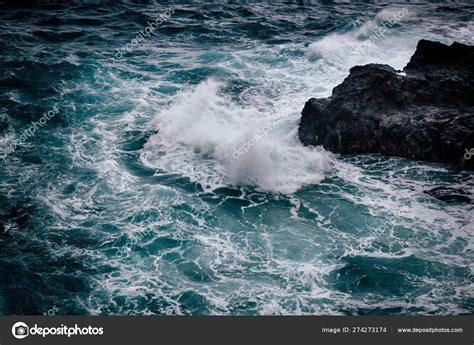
{"points": [[425, 112]]}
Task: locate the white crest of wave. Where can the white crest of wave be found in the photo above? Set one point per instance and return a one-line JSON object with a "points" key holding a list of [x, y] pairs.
{"points": [[369, 42], [199, 135]]}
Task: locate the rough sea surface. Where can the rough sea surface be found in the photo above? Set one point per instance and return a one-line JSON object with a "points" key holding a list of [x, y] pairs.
{"points": [[133, 200]]}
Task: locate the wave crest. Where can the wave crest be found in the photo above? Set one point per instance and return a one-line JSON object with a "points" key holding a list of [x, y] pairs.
{"points": [[199, 135]]}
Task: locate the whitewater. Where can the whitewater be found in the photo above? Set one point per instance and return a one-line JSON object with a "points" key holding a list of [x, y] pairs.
{"points": [[133, 201]]}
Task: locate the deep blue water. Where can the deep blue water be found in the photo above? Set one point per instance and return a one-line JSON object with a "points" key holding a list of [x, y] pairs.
{"points": [[131, 198]]}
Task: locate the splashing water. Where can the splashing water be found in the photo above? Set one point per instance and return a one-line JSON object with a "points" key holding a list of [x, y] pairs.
{"points": [[132, 200]]}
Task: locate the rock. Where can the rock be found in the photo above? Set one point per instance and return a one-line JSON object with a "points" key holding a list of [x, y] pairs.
{"points": [[449, 194], [425, 112]]}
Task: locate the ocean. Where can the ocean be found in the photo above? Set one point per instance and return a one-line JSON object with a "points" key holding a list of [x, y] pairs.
{"points": [[150, 164]]}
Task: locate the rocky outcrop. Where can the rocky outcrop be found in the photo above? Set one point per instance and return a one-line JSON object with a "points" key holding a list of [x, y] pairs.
{"points": [[425, 112]]}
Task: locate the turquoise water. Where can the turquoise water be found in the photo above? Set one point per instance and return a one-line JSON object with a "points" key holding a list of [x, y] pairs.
{"points": [[132, 199]]}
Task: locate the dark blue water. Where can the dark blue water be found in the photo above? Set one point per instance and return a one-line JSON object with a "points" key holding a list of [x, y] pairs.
{"points": [[170, 180]]}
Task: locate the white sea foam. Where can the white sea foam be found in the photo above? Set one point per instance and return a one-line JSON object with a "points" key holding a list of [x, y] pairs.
{"points": [[352, 48], [198, 136], [393, 46], [201, 130]]}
